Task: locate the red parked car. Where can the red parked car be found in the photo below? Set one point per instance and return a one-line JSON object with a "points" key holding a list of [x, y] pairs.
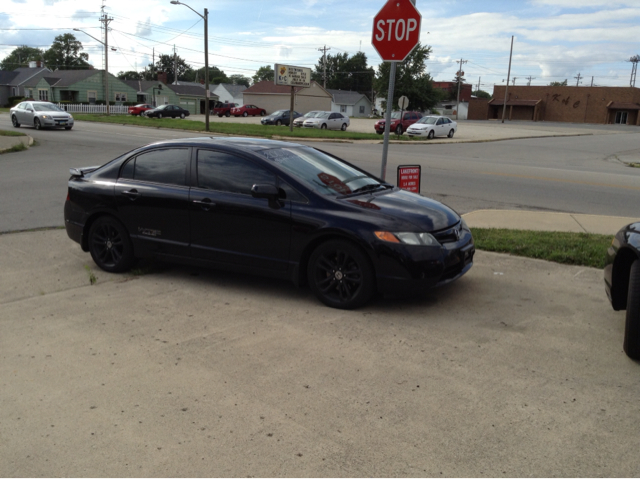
{"points": [[138, 110], [398, 126], [246, 110], [223, 108]]}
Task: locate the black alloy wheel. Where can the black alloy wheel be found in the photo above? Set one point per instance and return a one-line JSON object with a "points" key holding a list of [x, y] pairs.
{"points": [[340, 275], [344, 127], [431, 135], [37, 124], [14, 121], [451, 132], [227, 114], [632, 325], [110, 245]]}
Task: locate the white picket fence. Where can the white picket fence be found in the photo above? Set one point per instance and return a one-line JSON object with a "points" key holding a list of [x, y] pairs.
{"points": [[78, 108]]}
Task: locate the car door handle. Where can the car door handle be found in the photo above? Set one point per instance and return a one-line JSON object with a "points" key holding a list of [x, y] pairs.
{"points": [[205, 204], [132, 194]]}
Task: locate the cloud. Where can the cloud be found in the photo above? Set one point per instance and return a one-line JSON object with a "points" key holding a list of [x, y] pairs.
{"points": [[83, 15], [144, 29]]}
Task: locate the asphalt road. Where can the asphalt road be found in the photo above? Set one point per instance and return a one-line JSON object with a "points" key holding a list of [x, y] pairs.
{"points": [[567, 174]]}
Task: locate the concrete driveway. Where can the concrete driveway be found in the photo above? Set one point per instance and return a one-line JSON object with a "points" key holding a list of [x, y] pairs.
{"points": [[515, 370]]}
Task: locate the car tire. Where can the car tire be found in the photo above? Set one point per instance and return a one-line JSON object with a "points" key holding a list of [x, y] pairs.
{"points": [[227, 114], [110, 245], [245, 114], [431, 135], [451, 133], [278, 123], [399, 130], [14, 121], [159, 115], [324, 126], [632, 326], [340, 275], [68, 127], [344, 127], [379, 132], [263, 113], [37, 125], [182, 116]]}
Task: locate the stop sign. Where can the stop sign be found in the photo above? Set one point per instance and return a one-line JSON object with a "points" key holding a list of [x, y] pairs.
{"points": [[396, 30]]}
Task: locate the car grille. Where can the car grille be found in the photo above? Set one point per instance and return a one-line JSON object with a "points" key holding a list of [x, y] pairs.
{"points": [[450, 235]]}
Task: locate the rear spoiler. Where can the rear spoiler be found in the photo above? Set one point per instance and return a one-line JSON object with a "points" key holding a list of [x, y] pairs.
{"points": [[80, 172]]}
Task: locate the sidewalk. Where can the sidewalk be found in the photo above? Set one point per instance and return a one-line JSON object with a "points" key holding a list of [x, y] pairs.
{"points": [[546, 221], [8, 142]]}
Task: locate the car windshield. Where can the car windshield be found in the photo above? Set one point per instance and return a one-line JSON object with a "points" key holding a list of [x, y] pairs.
{"points": [[429, 120], [395, 115], [324, 114], [141, 105], [162, 107], [321, 172], [312, 114], [45, 107], [279, 112]]}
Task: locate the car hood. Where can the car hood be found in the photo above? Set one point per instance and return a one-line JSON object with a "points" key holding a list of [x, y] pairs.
{"points": [[402, 206], [421, 126]]}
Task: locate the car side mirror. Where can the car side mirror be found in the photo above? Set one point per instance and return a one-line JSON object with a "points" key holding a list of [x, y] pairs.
{"points": [[270, 192]]}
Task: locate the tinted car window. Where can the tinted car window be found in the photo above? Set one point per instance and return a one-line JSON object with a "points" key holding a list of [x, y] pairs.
{"points": [[159, 166], [224, 172]]}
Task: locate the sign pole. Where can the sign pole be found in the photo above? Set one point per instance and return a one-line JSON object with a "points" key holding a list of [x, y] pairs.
{"points": [[387, 120], [291, 109]]}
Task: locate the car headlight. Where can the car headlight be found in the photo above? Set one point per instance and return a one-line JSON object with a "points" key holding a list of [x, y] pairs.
{"points": [[46, 116], [420, 239]]}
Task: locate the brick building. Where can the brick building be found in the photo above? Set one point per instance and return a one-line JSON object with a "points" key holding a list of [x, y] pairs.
{"points": [[451, 88], [572, 104]]}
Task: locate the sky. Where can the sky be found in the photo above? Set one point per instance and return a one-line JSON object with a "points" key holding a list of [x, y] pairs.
{"points": [[554, 40]]}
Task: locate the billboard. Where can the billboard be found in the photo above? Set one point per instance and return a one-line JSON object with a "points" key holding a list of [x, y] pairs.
{"points": [[292, 76]]}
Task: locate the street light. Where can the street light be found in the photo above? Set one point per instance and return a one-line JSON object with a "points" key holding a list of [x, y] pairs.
{"points": [[206, 58], [106, 65]]}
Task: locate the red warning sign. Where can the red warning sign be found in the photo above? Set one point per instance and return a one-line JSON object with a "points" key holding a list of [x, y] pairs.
{"points": [[409, 178]]}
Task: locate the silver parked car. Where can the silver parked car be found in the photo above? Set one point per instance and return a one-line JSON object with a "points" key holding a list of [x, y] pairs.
{"points": [[431, 126], [40, 114], [328, 120], [310, 114]]}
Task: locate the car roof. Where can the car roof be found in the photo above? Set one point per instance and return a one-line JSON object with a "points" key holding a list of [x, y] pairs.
{"points": [[252, 144]]}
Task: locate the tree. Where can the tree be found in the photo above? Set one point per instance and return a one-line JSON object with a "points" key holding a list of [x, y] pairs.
{"points": [[66, 53], [558, 83], [481, 94], [20, 57], [264, 73], [166, 64], [216, 76], [240, 80], [412, 80], [131, 75], [345, 73]]}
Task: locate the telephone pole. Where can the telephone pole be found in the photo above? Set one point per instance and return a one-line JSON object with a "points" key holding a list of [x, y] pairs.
{"points": [[634, 68], [175, 66], [530, 78], [578, 78], [459, 78], [324, 64], [105, 19], [506, 90], [514, 80]]}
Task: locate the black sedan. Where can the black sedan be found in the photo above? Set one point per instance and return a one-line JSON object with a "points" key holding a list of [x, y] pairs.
{"points": [[167, 111], [280, 117], [268, 207], [622, 283]]}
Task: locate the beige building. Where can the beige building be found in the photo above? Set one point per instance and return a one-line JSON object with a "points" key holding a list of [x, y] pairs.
{"points": [[271, 97]]}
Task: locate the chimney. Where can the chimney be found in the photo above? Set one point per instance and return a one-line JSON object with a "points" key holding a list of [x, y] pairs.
{"points": [[162, 77]]}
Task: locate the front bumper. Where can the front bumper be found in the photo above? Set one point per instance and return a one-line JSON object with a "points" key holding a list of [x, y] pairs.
{"points": [[56, 122], [405, 269]]}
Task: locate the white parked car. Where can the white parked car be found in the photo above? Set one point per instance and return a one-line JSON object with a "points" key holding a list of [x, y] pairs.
{"points": [[328, 120], [40, 114], [310, 114], [431, 126]]}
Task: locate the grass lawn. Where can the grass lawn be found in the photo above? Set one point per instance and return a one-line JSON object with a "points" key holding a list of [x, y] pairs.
{"points": [[580, 249], [11, 133], [230, 128]]}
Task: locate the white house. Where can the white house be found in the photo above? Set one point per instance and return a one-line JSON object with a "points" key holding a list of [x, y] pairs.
{"points": [[350, 103], [228, 92]]}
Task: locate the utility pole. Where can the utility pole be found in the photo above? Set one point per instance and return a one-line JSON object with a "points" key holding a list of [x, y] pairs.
{"points": [[634, 69], [578, 78], [478, 89], [324, 64], [530, 78], [514, 80], [459, 78], [506, 90], [175, 66], [591, 81], [105, 19]]}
